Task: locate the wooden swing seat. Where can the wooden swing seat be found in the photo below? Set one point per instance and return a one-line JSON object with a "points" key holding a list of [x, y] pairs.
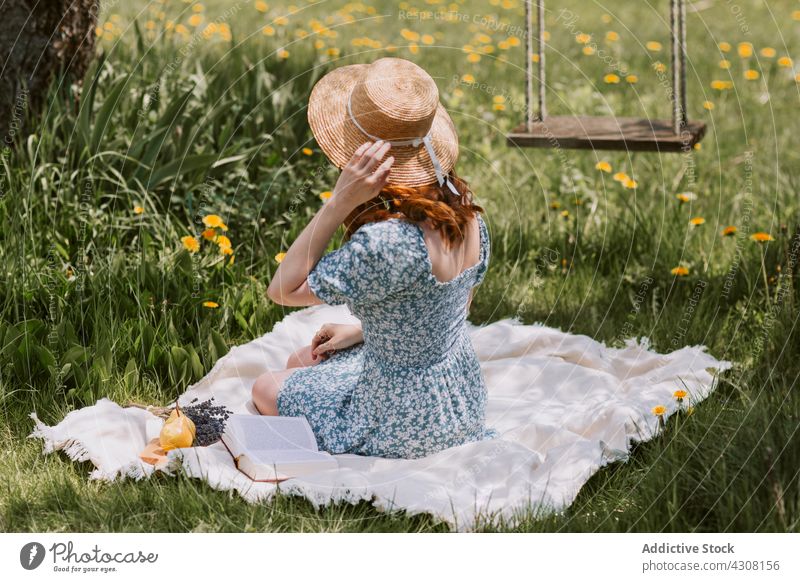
{"points": [[607, 133]]}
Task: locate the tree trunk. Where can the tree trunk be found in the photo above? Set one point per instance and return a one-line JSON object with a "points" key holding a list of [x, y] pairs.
{"points": [[39, 40]]}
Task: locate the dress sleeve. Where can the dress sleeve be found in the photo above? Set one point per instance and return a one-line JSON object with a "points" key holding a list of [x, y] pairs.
{"points": [[374, 263], [480, 272]]}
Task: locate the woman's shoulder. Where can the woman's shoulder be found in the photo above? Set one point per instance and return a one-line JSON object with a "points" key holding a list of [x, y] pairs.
{"points": [[388, 234]]}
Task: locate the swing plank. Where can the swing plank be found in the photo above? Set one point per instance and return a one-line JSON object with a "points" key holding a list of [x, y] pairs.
{"points": [[607, 133]]}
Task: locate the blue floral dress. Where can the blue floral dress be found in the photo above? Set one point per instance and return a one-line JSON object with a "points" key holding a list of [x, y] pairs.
{"points": [[414, 386]]}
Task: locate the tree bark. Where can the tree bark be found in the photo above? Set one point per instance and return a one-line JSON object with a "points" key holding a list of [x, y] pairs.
{"points": [[39, 41]]}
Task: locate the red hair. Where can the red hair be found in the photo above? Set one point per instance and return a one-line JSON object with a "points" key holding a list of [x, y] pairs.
{"points": [[447, 212]]}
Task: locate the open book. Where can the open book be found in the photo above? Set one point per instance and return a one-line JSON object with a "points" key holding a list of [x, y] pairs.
{"points": [[274, 448]]}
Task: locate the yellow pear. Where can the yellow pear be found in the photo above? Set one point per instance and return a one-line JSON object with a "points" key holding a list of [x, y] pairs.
{"points": [[178, 431], [177, 411]]}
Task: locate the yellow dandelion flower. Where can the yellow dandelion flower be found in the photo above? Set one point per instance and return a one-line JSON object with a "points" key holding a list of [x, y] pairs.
{"points": [[333, 51], [632, 79], [513, 41], [535, 58], [214, 221], [283, 54], [225, 250], [630, 183], [138, 209], [621, 176], [468, 78], [659, 67], [223, 241], [725, 47], [785, 62], [409, 35], [768, 52], [210, 304], [565, 213], [606, 18], [751, 74], [281, 21], [653, 45], [724, 64], [261, 6], [729, 231], [679, 394], [745, 49], [473, 57], [555, 205], [698, 146], [268, 31], [588, 50], [209, 234], [279, 257], [603, 166], [612, 36], [611, 78], [196, 20], [190, 243], [427, 39], [659, 410], [708, 105], [325, 195], [308, 151], [796, 15], [583, 38], [721, 85], [686, 196], [697, 221], [498, 107], [680, 271], [761, 237]]}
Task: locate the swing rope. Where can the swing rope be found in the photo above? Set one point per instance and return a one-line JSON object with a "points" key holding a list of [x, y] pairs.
{"points": [[678, 42]]}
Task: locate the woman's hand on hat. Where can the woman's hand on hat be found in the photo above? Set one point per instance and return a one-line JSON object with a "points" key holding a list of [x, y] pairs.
{"points": [[364, 175]]}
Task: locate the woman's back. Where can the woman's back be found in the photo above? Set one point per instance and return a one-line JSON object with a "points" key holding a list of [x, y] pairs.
{"points": [[396, 295]]}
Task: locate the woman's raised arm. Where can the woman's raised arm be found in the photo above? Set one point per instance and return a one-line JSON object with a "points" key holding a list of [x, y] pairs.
{"points": [[356, 184]]}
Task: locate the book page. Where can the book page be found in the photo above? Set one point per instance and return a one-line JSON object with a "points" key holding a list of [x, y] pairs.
{"points": [[285, 456], [271, 433]]}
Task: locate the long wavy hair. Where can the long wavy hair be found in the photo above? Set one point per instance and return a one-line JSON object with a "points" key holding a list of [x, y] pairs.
{"points": [[447, 212]]}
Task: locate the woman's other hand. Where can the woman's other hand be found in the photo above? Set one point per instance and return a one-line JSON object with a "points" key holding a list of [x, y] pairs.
{"points": [[362, 178], [332, 337]]}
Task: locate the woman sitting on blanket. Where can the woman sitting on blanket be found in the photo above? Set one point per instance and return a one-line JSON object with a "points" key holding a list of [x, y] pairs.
{"points": [[405, 383]]}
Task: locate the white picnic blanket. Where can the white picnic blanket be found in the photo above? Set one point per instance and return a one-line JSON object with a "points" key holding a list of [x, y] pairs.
{"points": [[564, 404]]}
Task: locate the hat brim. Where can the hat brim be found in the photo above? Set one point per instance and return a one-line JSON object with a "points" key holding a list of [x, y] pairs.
{"points": [[339, 137]]}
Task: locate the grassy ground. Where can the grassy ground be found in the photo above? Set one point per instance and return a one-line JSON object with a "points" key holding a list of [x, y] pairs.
{"points": [[98, 299]]}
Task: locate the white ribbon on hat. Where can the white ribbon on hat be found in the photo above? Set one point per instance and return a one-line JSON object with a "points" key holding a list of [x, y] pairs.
{"points": [[426, 140]]}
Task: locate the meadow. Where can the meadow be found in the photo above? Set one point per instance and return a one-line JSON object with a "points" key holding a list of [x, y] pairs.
{"points": [[193, 119]]}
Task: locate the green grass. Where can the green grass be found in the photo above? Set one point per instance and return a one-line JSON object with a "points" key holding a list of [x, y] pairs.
{"points": [[131, 325]]}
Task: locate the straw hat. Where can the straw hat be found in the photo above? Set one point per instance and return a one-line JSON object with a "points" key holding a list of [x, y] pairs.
{"points": [[391, 99]]}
